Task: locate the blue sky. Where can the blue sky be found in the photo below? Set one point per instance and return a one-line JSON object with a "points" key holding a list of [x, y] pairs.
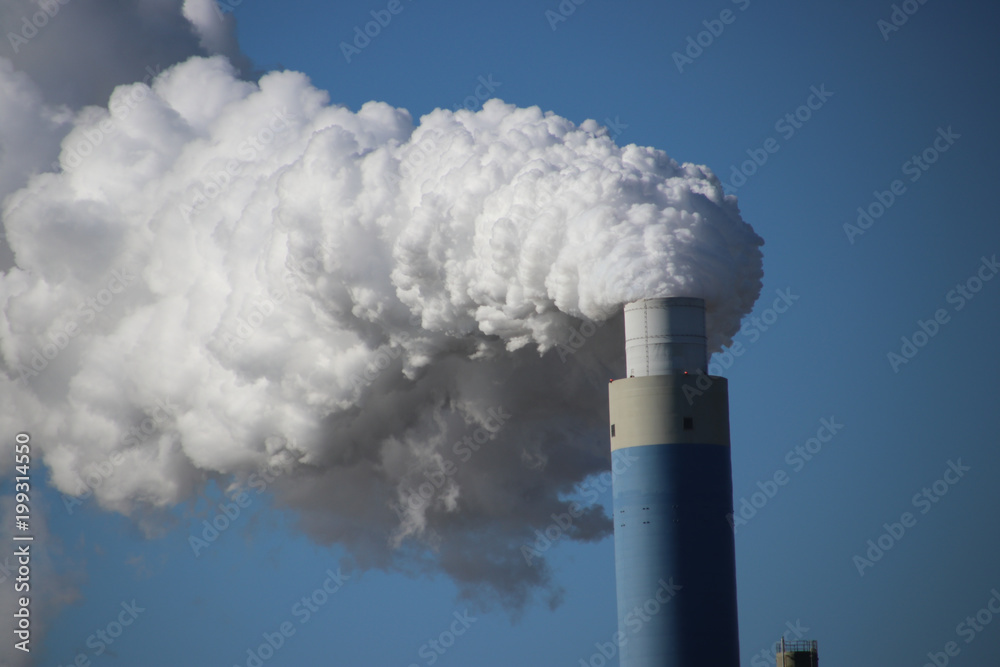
{"points": [[926, 90]]}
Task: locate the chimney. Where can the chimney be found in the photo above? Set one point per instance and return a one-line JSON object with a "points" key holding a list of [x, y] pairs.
{"points": [[675, 561]]}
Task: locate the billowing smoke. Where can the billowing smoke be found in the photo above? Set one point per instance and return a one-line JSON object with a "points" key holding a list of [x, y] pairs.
{"points": [[55, 57], [79, 50], [410, 326]]}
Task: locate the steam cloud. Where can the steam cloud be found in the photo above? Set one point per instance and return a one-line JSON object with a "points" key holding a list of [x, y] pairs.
{"points": [[408, 321]]}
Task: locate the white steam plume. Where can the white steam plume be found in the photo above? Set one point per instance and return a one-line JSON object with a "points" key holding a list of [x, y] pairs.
{"points": [[241, 275], [56, 57]]}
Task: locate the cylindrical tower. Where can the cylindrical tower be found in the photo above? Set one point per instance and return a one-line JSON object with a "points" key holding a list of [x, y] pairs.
{"points": [[675, 560]]}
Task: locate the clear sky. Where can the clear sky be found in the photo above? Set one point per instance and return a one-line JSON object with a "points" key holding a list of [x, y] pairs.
{"points": [[882, 543]]}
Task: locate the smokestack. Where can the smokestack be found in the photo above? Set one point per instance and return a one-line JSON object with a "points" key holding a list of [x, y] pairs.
{"points": [[675, 560], [665, 337]]}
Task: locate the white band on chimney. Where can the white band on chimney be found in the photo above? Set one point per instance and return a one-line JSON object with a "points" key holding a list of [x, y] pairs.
{"points": [[665, 336]]}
